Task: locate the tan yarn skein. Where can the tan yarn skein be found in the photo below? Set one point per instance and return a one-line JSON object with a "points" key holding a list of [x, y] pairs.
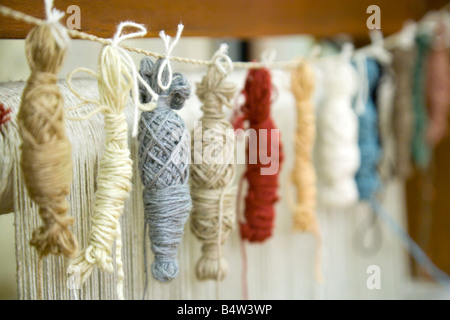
{"points": [[304, 175], [46, 159], [213, 197]]}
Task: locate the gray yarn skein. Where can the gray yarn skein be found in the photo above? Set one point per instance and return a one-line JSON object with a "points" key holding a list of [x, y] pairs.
{"points": [[164, 154]]}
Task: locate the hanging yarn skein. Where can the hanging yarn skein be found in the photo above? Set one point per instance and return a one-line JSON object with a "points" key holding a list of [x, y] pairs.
{"points": [[262, 195], [213, 194], [384, 99], [46, 158], [336, 153], [164, 157], [420, 148], [116, 77], [403, 115], [304, 174], [379, 93], [367, 179], [438, 87]]}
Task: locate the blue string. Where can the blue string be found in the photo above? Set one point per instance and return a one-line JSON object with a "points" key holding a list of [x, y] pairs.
{"points": [[413, 248]]}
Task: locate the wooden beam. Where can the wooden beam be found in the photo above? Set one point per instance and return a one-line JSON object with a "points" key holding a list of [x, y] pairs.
{"points": [[230, 18]]}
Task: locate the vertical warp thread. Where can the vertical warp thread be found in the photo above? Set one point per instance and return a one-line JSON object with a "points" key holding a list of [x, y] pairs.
{"points": [[304, 174], [46, 159], [336, 152], [6, 160], [213, 196], [367, 179], [164, 155], [262, 190], [403, 115], [438, 88], [420, 148]]}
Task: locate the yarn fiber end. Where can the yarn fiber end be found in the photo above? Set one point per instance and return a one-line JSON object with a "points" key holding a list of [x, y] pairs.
{"points": [[164, 271], [253, 234], [84, 262], [210, 266], [303, 220], [56, 239]]}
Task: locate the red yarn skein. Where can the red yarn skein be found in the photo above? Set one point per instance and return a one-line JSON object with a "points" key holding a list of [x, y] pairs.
{"points": [[262, 191]]}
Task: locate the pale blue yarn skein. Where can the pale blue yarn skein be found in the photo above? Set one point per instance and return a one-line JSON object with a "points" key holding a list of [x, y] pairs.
{"points": [[164, 155], [367, 177]]}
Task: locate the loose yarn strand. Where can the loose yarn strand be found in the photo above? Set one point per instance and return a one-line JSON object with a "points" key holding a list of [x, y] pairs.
{"points": [[46, 158], [144, 245], [411, 246], [241, 220], [40, 288], [166, 62], [303, 174], [119, 263], [115, 81], [211, 180]]}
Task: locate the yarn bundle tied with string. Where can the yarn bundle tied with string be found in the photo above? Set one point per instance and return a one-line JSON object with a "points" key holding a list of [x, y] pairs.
{"points": [[336, 153], [164, 157], [367, 178], [46, 158], [259, 213], [304, 175], [116, 77], [213, 195]]}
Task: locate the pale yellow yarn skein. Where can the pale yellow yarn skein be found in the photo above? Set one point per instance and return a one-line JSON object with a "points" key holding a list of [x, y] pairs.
{"points": [[213, 196], [115, 167], [46, 159], [303, 175]]}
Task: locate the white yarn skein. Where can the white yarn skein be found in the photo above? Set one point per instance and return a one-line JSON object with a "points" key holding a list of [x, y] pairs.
{"points": [[337, 151], [116, 78]]}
